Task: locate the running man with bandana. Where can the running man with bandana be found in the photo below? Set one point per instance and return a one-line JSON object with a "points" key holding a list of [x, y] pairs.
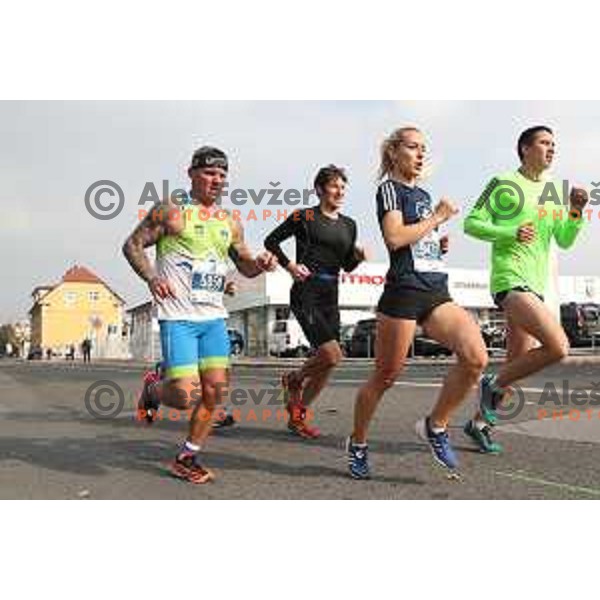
{"points": [[187, 281]]}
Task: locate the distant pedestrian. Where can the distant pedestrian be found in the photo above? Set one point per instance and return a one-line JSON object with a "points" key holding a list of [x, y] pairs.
{"points": [[86, 350]]}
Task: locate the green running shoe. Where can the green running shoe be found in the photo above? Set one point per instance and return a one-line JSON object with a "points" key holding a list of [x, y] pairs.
{"points": [[482, 438], [489, 399]]}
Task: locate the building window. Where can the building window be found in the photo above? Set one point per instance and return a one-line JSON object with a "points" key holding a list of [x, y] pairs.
{"points": [[282, 313], [112, 330], [94, 296], [70, 298]]}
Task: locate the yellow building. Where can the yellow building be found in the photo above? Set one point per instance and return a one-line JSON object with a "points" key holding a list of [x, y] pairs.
{"points": [[80, 306]]}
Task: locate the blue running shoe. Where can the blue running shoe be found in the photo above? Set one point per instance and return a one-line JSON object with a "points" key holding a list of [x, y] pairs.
{"points": [[439, 444], [489, 399], [358, 459]]}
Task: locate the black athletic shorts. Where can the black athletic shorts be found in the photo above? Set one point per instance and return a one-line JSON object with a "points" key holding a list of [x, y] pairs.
{"points": [[317, 311], [500, 297], [411, 304]]}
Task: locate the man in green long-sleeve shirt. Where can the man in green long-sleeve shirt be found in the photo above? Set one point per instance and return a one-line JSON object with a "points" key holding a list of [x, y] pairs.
{"points": [[520, 213]]}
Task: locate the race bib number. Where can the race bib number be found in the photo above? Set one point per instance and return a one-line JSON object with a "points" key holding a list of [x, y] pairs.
{"points": [[208, 283], [427, 255]]}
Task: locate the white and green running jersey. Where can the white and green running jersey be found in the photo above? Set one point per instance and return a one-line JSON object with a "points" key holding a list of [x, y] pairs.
{"points": [[195, 262]]}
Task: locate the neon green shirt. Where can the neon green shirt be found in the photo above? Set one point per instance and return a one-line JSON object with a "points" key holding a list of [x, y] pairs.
{"points": [[509, 201]]}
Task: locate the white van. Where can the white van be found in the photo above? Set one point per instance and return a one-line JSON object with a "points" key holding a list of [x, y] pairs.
{"points": [[288, 339]]}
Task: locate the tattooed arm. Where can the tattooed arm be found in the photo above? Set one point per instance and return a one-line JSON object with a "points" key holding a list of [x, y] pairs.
{"points": [[154, 225]]}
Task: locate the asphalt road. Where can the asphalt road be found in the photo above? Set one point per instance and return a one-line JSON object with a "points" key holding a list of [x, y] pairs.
{"points": [[52, 447]]}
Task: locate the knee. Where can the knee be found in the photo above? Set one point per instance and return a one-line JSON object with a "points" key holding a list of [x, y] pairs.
{"points": [[559, 349], [181, 394], [214, 393], [331, 358], [386, 377], [475, 360]]}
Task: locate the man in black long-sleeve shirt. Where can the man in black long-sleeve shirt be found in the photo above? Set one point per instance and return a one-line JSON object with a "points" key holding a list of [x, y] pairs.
{"points": [[325, 243]]}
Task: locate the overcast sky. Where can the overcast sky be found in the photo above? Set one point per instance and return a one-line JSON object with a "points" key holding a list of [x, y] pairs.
{"points": [[50, 152]]}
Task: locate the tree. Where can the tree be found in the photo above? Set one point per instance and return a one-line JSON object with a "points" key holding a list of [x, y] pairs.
{"points": [[7, 336]]}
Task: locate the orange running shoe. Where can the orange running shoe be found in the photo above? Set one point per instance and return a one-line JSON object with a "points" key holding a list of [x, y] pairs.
{"points": [[292, 391], [186, 467], [298, 421]]}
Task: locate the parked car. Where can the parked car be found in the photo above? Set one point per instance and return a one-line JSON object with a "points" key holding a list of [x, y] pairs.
{"points": [[35, 353], [581, 322], [363, 342], [236, 342], [346, 333], [288, 339], [424, 346], [494, 336]]}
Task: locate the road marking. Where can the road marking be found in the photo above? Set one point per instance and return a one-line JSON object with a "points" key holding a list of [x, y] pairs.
{"points": [[432, 384], [555, 484], [406, 383], [422, 384], [429, 384]]}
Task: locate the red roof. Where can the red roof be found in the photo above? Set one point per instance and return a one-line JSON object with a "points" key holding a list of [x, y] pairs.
{"points": [[79, 274]]}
